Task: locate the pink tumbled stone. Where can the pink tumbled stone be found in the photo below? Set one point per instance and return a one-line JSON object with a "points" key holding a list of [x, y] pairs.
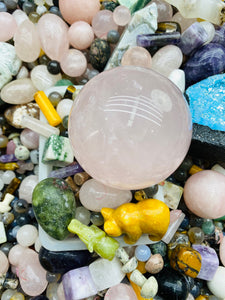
{"points": [[222, 251], [137, 56], [103, 22], [11, 146], [130, 127], [204, 194], [73, 63], [15, 254], [80, 35], [120, 291], [27, 186], [31, 274], [29, 138], [79, 10], [53, 36], [4, 263], [27, 43], [121, 15], [9, 24]]}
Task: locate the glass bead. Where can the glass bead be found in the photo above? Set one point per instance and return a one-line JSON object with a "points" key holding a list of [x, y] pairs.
{"points": [[43, 60], [15, 230], [55, 98], [53, 67], [196, 235], [3, 7], [83, 215], [142, 252], [22, 219], [208, 226], [10, 4], [17, 296], [20, 206], [219, 225], [3, 141], [55, 10], [121, 15], [7, 294], [10, 237], [8, 218], [64, 107], [96, 218], [30, 212], [195, 221], [52, 277], [65, 121], [28, 7], [6, 248], [185, 223], [34, 17]]}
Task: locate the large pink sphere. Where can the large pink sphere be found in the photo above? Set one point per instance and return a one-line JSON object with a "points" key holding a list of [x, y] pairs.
{"points": [[204, 194], [79, 10], [130, 127]]}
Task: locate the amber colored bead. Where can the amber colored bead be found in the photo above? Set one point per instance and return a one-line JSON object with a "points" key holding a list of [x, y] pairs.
{"points": [[194, 169], [202, 297], [187, 260], [12, 187], [196, 235], [8, 166], [141, 267], [69, 92], [80, 178], [72, 184], [165, 27], [3, 141]]}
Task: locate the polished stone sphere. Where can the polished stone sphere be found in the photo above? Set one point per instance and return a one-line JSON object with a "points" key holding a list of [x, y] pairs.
{"points": [[130, 127]]}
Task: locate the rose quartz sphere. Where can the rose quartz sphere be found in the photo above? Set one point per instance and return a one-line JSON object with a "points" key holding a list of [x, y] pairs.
{"points": [[79, 10], [103, 22], [137, 56], [80, 35], [204, 194], [119, 292], [73, 63], [130, 127], [9, 24]]}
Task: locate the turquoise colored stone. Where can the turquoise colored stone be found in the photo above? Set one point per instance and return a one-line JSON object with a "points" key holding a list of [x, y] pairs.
{"points": [[63, 82], [207, 102]]}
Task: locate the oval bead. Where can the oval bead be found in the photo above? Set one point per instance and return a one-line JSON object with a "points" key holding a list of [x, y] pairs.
{"points": [[42, 79], [19, 91], [9, 24], [27, 43], [53, 35]]}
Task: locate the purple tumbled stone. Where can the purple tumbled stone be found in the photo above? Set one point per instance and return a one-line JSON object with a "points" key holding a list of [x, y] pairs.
{"points": [[5, 158], [158, 39], [210, 262], [207, 61], [192, 38], [219, 36], [78, 284], [70, 170]]}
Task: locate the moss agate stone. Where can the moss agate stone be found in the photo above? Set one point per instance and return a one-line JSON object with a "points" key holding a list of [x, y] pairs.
{"points": [[207, 102], [99, 53], [54, 206]]}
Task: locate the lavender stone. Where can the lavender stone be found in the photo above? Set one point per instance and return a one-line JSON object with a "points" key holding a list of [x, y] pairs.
{"points": [[210, 262], [5, 158], [158, 39], [192, 38], [207, 61], [70, 170], [78, 284], [219, 36]]}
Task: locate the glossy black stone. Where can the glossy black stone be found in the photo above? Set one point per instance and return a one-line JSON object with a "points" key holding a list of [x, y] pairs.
{"points": [[53, 67], [64, 261], [159, 247], [172, 285], [113, 36]]}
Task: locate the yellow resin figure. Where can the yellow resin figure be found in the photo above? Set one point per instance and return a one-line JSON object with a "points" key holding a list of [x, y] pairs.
{"points": [[149, 216]]}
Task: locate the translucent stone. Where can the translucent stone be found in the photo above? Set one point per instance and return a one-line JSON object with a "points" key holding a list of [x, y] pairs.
{"points": [[120, 291], [15, 253], [167, 59], [19, 91], [7, 294], [183, 22], [53, 36], [103, 22], [204, 193], [196, 235], [32, 276], [9, 24], [51, 291], [37, 244], [27, 235], [73, 63], [84, 10], [27, 186], [210, 29], [137, 56], [42, 79], [29, 138], [41, 9], [177, 76], [19, 16], [8, 176], [109, 115], [121, 15], [142, 252], [60, 292], [26, 41], [4, 263], [217, 284], [80, 35], [64, 107], [23, 73], [165, 11], [83, 215], [94, 196]]}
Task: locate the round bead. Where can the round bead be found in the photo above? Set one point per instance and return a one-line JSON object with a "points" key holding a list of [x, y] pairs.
{"points": [[29, 138], [196, 235], [64, 107], [137, 56], [103, 22], [121, 15], [73, 63], [27, 235], [22, 153], [80, 35], [154, 264], [28, 7], [3, 7], [96, 218], [142, 252], [20, 206], [208, 226], [10, 4], [53, 67], [83, 215], [113, 36], [55, 98]]}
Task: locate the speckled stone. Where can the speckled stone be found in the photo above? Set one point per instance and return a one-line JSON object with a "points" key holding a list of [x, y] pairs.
{"points": [[15, 113], [206, 102], [99, 53]]}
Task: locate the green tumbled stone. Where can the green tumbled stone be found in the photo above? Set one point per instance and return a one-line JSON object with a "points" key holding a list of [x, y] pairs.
{"points": [[208, 226], [63, 82], [54, 206]]}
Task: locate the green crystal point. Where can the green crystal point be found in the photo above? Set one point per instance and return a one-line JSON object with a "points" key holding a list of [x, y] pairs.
{"points": [[95, 239]]}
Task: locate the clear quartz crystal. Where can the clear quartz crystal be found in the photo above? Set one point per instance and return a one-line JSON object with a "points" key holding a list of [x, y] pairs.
{"points": [[211, 10]]}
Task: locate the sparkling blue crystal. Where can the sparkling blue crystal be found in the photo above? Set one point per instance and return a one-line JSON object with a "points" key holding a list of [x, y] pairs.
{"points": [[207, 61], [207, 102], [142, 252]]}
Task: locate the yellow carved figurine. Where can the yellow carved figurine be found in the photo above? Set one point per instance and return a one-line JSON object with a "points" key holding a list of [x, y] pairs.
{"points": [[149, 216]]}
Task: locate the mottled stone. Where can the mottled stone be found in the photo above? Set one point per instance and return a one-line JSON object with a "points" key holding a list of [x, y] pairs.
{"points": [[143, 21], [158, 39], [9, 63], [207, 61], [210, 261], [207, 102], [99, 53], [15, 113]]}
